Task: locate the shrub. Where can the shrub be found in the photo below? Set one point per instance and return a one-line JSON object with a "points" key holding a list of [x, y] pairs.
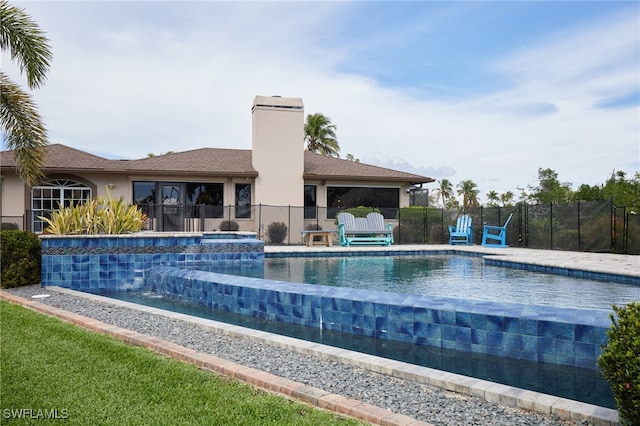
{"points": [[277, 231], [229, 225], [19, 258], [620, 361], [9, 226], [100, 216]]}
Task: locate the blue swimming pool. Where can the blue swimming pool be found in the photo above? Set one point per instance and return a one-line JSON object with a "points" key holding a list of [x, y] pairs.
{"points": [[439, 275]]}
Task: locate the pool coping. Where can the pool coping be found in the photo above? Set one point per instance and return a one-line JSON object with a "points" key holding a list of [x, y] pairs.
{"points": [[505, 395]]}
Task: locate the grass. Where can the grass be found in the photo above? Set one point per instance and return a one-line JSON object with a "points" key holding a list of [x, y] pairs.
{"points": [[47, 364]]}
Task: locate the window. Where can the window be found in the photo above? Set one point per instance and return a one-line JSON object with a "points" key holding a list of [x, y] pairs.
{"points": [[243, 200], [310, 201], [144, 192], [205, 193], [171, 194], [342, 197], [54, 195], [206, 199]]}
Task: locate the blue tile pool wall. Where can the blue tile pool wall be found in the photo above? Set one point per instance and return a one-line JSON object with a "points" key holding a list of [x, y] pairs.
{"points": [[537, 333], [97, 263]]}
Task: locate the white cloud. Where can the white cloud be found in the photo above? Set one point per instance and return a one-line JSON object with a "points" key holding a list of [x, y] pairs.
{"points": [[133, 78]]}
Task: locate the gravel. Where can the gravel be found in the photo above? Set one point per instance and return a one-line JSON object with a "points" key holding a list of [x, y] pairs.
{"points": [[422, 402]]}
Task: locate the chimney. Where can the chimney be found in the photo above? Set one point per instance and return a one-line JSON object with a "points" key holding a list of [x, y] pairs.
{"points": [[278, 150]]}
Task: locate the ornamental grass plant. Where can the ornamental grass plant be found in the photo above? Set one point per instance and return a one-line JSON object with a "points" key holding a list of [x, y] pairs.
{"points": [[99, 216]]}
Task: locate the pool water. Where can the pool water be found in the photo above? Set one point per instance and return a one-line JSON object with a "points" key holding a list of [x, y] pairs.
{"points": [[579, 384], [440, 275]]}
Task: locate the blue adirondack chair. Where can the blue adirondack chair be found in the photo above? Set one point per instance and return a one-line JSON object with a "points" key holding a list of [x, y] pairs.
{"points": [[462, 233], [497, 234]]}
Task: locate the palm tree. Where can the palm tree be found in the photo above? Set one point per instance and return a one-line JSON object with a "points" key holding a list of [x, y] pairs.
{"points": [[492, 198], [22, 126], [444, 191], [320, 135], [469, 191], [452, 204], [507, 198], [351, 157], [524, 196]]}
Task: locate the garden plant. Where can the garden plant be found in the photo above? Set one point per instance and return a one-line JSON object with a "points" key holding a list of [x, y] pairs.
{"points": [[620, 361], [277, 232], [99, 216], [19, 258]]}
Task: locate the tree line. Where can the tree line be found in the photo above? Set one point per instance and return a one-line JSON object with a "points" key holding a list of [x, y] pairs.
{"points": [[623, 190]]}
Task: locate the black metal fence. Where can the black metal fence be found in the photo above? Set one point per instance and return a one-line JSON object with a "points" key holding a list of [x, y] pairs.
{"points": [[595, 226]]}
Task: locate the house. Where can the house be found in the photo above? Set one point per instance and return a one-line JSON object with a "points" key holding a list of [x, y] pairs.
{"points": [[277, 180]]}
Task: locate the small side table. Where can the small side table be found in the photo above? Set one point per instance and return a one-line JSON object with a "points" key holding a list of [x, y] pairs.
{"points": [[325, 238]]}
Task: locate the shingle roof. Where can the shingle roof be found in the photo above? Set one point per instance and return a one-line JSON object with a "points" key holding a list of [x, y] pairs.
{"points": [[210, 162], [323, 167], [63, 157]]}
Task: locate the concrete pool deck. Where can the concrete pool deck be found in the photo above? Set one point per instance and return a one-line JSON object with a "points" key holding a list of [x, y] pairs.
{"points": [[505, 395]]}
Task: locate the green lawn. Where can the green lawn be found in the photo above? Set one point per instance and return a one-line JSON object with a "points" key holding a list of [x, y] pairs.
{"points": [[47, 364]]}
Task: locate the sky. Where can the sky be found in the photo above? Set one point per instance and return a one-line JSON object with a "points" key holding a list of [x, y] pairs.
{"points": [[487, 91]]}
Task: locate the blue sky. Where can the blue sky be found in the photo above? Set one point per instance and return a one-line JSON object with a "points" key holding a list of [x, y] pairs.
{"points": [[487, 91]]}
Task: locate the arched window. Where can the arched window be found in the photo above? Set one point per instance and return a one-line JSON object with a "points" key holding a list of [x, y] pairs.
{"points": [[54, 195]]}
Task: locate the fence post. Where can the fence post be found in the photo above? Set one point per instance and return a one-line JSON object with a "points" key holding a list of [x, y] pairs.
{"points": [[289, 226], [520, 225], [442, 225], [260, 221], [612, 226], [482, 223], [579, 235], [625, 232], [425, 224], [400, 226], [526, 225], [551, 225]]}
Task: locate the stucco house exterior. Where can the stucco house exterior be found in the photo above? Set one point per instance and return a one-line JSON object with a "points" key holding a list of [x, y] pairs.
{"points": [[277, 180]]}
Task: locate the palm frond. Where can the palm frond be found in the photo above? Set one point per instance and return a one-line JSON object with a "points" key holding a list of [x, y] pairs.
{"points": [[24, 130], [27, 44], [320, 135]]}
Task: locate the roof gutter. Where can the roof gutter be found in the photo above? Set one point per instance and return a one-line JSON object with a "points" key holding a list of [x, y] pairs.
{"points": [[411, 181]]}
